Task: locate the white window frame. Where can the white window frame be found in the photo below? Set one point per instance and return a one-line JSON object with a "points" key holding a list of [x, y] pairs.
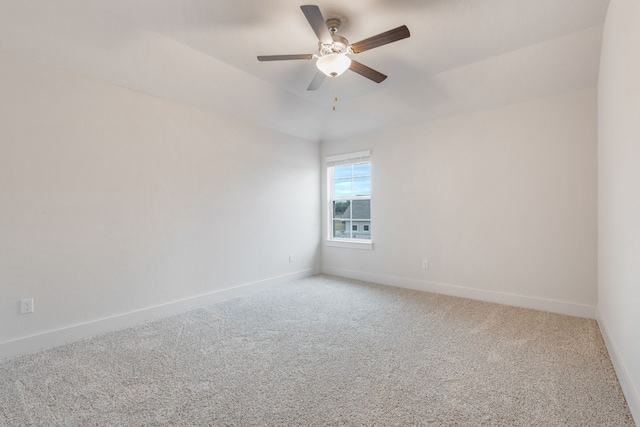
{"points": [[342, 160]]}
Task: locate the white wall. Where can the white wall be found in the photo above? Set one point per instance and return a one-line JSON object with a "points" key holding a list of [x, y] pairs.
{"points": [[502, 203], [619, 194], [112, 202]]}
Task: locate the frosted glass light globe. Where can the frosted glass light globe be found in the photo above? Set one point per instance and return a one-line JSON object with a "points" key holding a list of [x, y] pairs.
{"points": [[333, 64]]}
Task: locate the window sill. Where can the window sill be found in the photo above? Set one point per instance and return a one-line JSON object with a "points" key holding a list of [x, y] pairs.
{"points": [[350, 244]]}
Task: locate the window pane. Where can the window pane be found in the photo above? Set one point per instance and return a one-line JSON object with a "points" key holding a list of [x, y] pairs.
{"points": [[362, 186], [341, 229], [361, 209], [341, 209], [342, 187], [363, 230], [342, 172], [362, 169]]}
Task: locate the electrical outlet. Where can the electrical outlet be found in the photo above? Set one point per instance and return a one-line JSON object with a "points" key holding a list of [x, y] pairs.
{"points": [[26, 306], [425, 265], [291, 258]]}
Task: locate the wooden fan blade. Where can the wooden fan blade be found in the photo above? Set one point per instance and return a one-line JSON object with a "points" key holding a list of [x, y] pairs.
{"points": [[367, 72], [381, 39], [317, 81], [284, 57], [314, 16]]}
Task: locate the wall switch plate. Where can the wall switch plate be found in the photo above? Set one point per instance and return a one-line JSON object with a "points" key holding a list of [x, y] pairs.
{"points": [[291, 258], [425, 265], [26, 306]]}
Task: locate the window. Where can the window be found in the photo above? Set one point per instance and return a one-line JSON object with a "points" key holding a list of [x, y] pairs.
{"points": [[349, 190]]}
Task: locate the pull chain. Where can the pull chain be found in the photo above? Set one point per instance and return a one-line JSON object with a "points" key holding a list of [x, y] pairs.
{"points": [[335, 95]]}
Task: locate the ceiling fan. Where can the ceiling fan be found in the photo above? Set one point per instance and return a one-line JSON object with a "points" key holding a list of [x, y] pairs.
{"points": [[332, 58]]}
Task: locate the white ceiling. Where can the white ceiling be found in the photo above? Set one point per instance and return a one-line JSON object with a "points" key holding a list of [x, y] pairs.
{"points": [[462, 55]]}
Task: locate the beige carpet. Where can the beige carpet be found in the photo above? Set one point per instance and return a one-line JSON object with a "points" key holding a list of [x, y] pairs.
{"points": [[326, 352]]}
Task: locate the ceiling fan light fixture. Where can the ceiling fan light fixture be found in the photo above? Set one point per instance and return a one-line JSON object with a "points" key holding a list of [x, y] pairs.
{"points": [[333, 64], [332, 59]]}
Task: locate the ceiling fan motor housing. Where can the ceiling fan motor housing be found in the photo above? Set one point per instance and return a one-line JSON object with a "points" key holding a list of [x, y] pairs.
{"points": [[339, 45]]}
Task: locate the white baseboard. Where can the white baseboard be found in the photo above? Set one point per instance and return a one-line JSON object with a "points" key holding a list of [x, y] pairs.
{"points": [[61, 336], [560, 307], [630, 392]]}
